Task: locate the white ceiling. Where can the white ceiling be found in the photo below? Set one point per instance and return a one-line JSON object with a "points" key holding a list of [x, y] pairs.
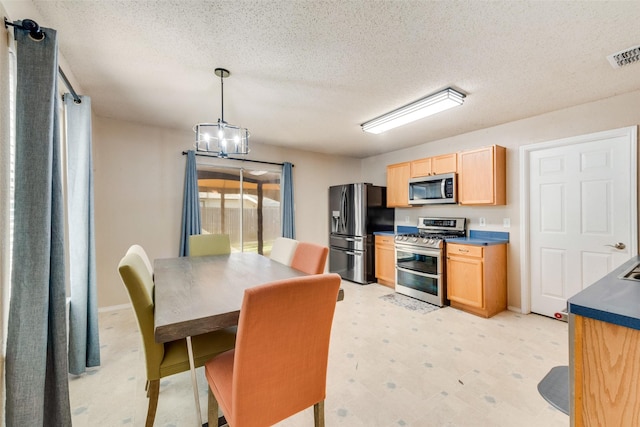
{"points": [[306, 74]]}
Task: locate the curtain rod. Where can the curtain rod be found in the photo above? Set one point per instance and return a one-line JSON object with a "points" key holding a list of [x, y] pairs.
{"points": [[184, 153], [36, 33], [76, 98]]}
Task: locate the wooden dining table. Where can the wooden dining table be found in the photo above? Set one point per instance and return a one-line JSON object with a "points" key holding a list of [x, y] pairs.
{"points": [[196, 295]]}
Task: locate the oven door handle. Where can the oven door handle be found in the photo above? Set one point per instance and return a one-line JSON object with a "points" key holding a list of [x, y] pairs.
{"points": [[414, 250], [418, 273]]}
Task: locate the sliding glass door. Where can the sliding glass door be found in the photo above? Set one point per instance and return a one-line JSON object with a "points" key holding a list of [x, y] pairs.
{"points": [[243, 203]]}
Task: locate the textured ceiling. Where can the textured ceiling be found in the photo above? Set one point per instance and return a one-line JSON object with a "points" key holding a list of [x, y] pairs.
{"points": [[305, 74]]}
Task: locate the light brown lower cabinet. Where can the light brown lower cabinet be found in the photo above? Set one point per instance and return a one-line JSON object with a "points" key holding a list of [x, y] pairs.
{"points": [[605, 365], [385, 260], [477, 278]]}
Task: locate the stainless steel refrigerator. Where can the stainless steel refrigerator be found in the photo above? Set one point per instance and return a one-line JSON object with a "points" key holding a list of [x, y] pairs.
{"points": [[356, 211]]}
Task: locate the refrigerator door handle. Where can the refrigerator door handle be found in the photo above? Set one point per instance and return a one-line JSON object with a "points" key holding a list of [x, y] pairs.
{"points": [[340, 219], [343, 216]]}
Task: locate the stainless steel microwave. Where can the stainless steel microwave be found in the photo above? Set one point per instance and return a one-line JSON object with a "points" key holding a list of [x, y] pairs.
{"points": [[434, 189]]}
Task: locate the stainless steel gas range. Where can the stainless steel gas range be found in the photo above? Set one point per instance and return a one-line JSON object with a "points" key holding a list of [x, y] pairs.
{"points": [[420, 266]]}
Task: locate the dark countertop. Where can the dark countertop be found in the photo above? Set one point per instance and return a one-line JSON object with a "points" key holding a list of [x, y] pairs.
{"points": [[611, 299], [482, 238], [407, 229], [401, 229], [476, 237]]}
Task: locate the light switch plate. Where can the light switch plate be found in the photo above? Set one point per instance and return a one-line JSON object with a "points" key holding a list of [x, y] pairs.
{"points": [[483, 222], [506, 222]]}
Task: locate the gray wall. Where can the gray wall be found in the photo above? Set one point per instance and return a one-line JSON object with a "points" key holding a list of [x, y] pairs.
{"points": [[139, 178], [611, 113], [139, 174]]}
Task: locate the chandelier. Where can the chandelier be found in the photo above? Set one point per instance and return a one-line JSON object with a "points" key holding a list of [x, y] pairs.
{"points": [[221, 138]]}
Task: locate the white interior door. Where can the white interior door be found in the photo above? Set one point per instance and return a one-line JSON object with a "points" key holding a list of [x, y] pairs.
{"points": [[582, 213]]}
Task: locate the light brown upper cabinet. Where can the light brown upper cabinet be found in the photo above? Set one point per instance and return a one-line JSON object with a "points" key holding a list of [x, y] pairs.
{"points": [[482, 176], [398, 185], [445, 163]]}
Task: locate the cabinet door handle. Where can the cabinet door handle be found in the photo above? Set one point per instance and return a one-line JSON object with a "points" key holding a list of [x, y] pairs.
{"points": [[463, 250]]}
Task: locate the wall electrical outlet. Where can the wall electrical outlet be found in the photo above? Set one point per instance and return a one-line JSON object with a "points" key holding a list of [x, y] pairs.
{"points": [[407, 219], [483, 222], [506, 222]]}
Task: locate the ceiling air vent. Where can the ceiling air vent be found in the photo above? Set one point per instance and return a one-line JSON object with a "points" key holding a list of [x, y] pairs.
{"points": [[625, 57]]}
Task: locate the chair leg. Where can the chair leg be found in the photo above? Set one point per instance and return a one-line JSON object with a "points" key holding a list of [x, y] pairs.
{"points": [[318, 414], [213, 410], [152, 392]]}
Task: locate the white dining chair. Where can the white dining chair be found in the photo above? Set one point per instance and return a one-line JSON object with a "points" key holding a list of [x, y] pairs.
{"points": [[283, 249]]}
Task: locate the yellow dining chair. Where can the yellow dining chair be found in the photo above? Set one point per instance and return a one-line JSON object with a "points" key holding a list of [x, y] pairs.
{"points": [[283, 249], [310, 258], [143, 254], [168, 358], [279, 364], [209, 244]]}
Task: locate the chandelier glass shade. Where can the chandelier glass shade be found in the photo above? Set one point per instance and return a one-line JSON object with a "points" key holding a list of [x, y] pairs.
{"points": [[221, 138]]}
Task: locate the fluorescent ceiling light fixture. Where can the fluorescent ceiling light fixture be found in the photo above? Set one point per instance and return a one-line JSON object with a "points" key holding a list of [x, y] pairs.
{"points": [[419, 109]]}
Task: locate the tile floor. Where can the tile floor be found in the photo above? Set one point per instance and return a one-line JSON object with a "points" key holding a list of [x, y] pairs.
{"points": [[388, 366]]}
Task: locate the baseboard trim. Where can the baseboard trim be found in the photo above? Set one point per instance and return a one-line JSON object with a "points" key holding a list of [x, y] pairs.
{"points": [[515, 309], [113, 308]]}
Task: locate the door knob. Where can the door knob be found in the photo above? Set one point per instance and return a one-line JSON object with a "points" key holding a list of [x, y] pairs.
{"points": [[618, 245]]}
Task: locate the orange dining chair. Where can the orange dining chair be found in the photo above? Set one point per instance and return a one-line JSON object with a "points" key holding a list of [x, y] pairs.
{"points": [[310, 258], [164, 359], [209, 244], [279, 364]]}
